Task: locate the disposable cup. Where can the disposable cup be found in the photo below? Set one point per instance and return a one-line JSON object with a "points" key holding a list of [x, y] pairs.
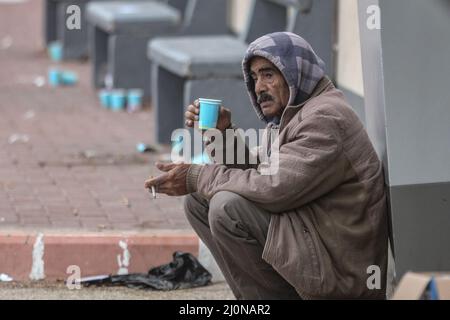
{"points": [[69, 78], [55, 51], [209, 113], [134, 100], [118, 100], [104, 96], [54, 77]]}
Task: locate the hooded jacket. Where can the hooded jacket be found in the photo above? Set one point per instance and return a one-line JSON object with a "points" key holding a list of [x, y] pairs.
{"points": [[328, 229]]}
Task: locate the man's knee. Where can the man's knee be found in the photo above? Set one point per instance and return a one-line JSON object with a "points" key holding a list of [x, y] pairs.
{"points": [[224, 209], [192, 203], [188, 204]]}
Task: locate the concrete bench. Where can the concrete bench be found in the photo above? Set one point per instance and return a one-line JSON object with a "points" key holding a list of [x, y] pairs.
{"points": [[119, 33], [74, 42], [185, 68]]}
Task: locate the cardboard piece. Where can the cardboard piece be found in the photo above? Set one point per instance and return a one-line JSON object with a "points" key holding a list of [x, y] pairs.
{"points": [[423, 286]]}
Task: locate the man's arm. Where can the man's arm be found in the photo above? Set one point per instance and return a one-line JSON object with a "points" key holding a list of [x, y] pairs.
{"points": [[310, 165]]}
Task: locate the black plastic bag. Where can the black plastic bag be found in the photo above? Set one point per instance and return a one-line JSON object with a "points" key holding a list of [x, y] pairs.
{"points": [[183, 272]]}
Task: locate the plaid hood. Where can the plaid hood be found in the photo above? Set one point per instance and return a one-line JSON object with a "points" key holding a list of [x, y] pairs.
{"points": [[293, 56]]}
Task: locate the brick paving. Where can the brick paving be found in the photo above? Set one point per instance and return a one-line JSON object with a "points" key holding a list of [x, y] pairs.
{"points": [[79, 170]]}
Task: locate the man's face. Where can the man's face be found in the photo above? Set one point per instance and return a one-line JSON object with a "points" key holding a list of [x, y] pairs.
{"points": [[271, 88]]}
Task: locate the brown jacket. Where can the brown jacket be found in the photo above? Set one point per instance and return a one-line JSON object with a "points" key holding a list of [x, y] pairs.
{"points": [[328, 199]]}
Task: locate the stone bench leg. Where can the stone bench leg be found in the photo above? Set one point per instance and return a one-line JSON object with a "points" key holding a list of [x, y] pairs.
{"points": [[167, 101], [98, 47], [128, 62], [50, 21]]}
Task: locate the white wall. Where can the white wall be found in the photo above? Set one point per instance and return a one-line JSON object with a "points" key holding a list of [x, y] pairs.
{"points": [[349, 68], [239, 10]]}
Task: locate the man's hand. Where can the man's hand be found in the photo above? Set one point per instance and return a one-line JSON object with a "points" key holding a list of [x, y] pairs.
{"points": [[173, 181], [192, 114]]}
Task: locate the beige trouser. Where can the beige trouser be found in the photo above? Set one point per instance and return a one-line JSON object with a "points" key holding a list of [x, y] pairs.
{"points": [[235, 230]]}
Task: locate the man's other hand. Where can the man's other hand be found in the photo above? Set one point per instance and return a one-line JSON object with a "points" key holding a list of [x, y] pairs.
{"points": [[173, 181], [193, 111]]}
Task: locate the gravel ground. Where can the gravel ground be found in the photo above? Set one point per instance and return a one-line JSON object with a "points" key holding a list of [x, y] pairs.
{"points": [[43, 290]]}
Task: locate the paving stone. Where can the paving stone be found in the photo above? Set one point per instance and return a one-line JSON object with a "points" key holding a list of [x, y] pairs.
{"points": [[49, 181]]}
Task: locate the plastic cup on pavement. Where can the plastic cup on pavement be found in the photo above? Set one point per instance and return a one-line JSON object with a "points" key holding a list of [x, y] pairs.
{"points": [[134, 100], [118, 100], [209, 113], [69, 78], [54, 76], [105, 98], [55, 51]]}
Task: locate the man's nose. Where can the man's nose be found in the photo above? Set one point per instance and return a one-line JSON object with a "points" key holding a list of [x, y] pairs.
{"points": [[259, 87]]}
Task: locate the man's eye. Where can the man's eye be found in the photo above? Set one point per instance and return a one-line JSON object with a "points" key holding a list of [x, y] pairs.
{"points": [[268, 75]]}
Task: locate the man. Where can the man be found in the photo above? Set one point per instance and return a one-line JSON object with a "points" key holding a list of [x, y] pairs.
{"points": [[315, 227]]}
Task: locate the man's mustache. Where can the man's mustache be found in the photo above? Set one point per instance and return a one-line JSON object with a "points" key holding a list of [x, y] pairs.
{"points": [[263, 97]]}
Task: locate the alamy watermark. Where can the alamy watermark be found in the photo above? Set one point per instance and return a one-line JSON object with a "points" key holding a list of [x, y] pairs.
{"points": [[373, 21], [374, 280], [73, 21], [74, 279]]}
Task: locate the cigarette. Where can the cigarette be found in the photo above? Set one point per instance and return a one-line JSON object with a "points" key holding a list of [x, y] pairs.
{"points": [[153, 190]]}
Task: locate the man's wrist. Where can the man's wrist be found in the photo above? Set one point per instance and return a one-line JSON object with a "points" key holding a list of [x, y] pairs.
{"points": [[192, 177], [230, 126]]}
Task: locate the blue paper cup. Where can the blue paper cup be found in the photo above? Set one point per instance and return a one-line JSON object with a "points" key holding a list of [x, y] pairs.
{"points": [[118, 100], [55, 51], [54, 76], [134, 100], [104, 96], [209, 113], [141, 147], [69, 78]]}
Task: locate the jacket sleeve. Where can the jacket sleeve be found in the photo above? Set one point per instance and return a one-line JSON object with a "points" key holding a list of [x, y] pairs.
{"points": [[310, 164]]}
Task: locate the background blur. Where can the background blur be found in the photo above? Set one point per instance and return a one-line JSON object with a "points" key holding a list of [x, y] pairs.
{"points": [[80, 135]]}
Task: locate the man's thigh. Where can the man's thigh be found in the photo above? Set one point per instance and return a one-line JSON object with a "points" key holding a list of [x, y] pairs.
{"points": [[237, 213]]}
